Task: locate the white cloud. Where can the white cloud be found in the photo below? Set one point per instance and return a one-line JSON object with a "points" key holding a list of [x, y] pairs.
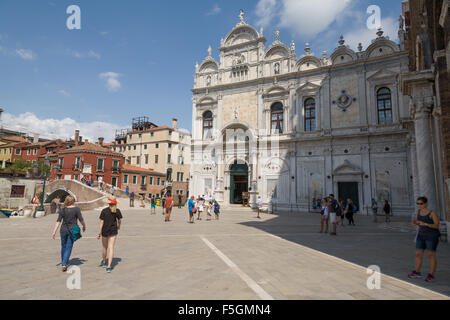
{"points": [[64, 93], [81, 55], [214, 11], [59, 128], [365, 35], [266, 11], [104, 33], [303, 17], [26, 54], [112, 82], [93, 54]]}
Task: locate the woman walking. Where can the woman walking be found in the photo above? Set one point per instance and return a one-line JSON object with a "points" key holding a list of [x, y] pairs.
{"points": [[387, 210], [110, 221], [349, 212], [325, 215], [427, 238], [67, 219]]}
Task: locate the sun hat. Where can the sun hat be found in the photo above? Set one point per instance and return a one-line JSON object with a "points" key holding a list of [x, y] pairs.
{"points": [[112, 200]]}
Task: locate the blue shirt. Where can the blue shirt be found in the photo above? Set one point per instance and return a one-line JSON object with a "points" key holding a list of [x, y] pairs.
{"points": [[191, 204]]}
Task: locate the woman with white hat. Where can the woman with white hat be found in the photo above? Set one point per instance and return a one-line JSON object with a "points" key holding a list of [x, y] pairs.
{"points": [[110, 221]]}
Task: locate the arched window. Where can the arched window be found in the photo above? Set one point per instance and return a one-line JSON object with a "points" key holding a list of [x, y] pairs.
{"points": [[207, 125], [310, 114], [384, 105], [276, 112]]}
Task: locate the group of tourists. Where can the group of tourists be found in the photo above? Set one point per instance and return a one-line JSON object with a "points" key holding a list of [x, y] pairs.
{"points": [[68, 218], [197, 207], [386, 209], [335, 212], [332, 211]]}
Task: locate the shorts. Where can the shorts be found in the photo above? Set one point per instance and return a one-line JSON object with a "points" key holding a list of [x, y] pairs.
{"points": [[427, 242], [168, 210], [191, 214], [333, 217]]}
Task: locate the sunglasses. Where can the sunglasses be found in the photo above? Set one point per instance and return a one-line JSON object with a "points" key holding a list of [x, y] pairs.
{"points": [[419, 203]]}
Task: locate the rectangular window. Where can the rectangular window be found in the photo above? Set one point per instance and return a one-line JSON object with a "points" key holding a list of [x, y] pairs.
{"points": [[151, 134], [17, 191], [100, 162], [170, 145], [61, 163], [28, 152], [150, 181], [35, 152], [156, 158], [125, 179], [169, 158], [77, 162], [138, 160], [134, 179], [134, 147], [129, 148], [116, 165], [158, 181], [143, 180], [146, 159], [129, 160], [145, 147], [18, 152], [157, 146]]}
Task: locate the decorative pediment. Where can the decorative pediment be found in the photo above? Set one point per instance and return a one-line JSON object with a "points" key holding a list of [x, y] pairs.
{"points": [[206, 101], [277, 51], [381, 46], [382, 74], [347, 169], [308, 62], [308, 86], [209, 65], [276, 91]]}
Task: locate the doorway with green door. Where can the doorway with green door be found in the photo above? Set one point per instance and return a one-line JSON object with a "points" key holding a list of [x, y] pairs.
{"points": [[238, 182]]}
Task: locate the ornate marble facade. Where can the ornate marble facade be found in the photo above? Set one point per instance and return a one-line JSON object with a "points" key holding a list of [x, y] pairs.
{"points": [[339, 123]]}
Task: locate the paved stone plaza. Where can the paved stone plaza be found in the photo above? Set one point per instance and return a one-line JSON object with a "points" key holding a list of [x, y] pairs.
{"points": [[238, 257]]}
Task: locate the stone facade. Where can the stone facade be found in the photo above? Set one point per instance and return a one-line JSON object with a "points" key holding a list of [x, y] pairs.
{"points": [[346, 145], [427, 39]]}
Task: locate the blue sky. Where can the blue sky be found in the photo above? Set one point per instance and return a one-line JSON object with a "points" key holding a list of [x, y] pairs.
{"points": [[137, 58]]}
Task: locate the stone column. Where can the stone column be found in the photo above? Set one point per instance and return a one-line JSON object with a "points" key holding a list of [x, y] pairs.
{"points": [[421, 110], [292, 175], [415, 174]]}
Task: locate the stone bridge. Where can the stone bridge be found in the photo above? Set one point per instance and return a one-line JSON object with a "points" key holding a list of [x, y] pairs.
{"points": [[86, 198]]}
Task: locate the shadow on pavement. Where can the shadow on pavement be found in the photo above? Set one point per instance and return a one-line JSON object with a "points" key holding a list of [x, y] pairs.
{"points": [[368, 243]]}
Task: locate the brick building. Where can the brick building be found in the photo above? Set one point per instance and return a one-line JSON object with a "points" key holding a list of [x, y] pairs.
{"points": [[143, 182], [89, 160], [427, 39]]}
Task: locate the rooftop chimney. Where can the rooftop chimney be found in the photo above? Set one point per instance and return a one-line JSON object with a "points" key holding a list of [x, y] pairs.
{"points": [[100, 141], [1, 111], [77, 137], [174, 123], [36, 138]]}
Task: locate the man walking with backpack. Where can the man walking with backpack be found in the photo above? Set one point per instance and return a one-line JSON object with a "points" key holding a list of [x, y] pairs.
{"points": [[334, 208]]}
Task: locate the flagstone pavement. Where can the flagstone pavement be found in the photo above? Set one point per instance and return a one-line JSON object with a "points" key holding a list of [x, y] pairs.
{"points": [[237, 257]]}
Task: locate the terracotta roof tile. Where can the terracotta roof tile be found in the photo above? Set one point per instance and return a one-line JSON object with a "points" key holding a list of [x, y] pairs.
{"points": [[87, 146], [14, 138], [137, 169]]}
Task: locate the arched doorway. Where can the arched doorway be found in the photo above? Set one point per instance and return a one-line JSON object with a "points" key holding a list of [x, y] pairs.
{"points": [[238, 182]]}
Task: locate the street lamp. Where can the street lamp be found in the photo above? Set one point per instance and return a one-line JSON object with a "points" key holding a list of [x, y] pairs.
{"points": [[41, 211]]}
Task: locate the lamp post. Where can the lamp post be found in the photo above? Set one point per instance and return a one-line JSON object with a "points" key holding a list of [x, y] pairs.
{"points": [[41, 211]]}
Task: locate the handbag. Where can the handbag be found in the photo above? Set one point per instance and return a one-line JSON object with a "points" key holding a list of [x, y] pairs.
{"points": [[75, 232]]}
